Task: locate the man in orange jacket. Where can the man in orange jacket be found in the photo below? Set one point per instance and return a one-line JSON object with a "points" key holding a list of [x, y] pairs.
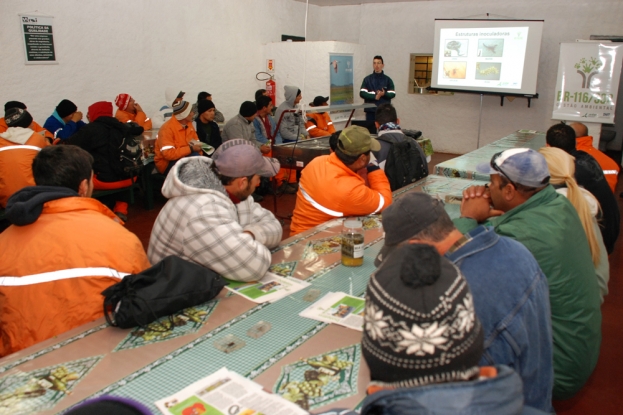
{"points": [[63, 249], [176, 138], [584, 142], [130, 111], [33, 126], [19, 145], [330, 187], [319, 124]]}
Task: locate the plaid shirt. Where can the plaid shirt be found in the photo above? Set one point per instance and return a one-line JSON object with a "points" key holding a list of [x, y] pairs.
{"points": [[204, 226]]}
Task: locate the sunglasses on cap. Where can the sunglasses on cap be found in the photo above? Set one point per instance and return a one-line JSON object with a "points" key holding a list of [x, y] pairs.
{"points": [[497, 168]]}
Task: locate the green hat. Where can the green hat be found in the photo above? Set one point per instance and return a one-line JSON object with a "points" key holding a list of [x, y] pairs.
{"points": [[356, 140]]}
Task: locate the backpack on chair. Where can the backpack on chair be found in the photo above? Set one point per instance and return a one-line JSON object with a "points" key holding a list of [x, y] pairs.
{"points": [[404, 164], [130, 155]]}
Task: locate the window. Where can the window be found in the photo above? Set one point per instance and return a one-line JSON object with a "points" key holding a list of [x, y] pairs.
{"points": [[420, 73]]}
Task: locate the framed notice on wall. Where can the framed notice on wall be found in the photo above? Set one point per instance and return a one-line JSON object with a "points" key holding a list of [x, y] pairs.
{"points": [[38, 38], [341, 76]]}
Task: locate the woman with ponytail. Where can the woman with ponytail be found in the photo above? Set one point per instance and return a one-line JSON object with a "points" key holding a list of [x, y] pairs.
{"points": [[562, 170]]}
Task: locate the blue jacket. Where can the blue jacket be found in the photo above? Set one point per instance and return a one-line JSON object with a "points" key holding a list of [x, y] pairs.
{"points": [[376, 82], [511, 298], [260, 130], [59, 128], [499, 395]]}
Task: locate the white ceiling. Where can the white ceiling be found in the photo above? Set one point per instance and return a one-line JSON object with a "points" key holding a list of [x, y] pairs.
{"points": [[350, 2]]}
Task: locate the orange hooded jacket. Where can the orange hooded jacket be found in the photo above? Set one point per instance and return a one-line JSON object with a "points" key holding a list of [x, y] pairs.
{"points": [[52, 271], [328, 190], [140, 118], [319, 124], [34, 126], [16, 160], [610, 167], [173, 143]]}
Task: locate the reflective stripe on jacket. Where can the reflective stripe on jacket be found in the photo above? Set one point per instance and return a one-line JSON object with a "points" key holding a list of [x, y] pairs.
{"points": [[140, 118], [16, 165], [173, 143], [329, 189], [319, 124], [53, 271]]}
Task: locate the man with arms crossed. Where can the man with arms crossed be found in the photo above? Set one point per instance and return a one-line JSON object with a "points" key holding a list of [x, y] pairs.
{"points": [[210, 217]]}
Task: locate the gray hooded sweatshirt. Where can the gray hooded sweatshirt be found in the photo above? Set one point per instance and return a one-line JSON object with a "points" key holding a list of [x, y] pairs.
{"points": [[292, 124]]}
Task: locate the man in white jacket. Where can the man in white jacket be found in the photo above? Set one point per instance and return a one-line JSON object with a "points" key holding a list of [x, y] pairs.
{"points": [[210, 218]]}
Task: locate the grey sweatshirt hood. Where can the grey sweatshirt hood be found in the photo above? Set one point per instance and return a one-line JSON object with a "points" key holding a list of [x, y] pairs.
{"points": [[192, 175], [290, 93]]}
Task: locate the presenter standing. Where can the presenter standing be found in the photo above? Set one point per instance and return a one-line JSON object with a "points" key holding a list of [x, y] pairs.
{"points": [[376, 88]]}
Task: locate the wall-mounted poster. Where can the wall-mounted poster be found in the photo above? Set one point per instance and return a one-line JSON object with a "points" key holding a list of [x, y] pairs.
{"points": [[341, 70], [38, 39], [588, 81]]}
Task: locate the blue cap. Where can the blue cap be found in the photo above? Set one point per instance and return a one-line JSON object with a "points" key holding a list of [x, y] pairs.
{"points": [[521, 165]]}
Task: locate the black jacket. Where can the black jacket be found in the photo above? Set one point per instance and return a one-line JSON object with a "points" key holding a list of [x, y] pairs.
{"points": [[102, 139], [590, 175]]}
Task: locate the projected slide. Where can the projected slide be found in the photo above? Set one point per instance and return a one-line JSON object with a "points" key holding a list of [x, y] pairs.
{"points": [[482, 57], [487, 56]]}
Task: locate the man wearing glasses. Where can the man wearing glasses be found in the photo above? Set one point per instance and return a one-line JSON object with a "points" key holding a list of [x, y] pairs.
{"points": [[521, 204]]}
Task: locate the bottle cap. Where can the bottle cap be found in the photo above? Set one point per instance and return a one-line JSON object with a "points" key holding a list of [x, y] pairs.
{"points": [[353, 223]]}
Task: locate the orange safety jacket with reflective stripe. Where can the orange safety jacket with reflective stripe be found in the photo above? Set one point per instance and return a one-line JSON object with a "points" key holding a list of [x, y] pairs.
{"points": [[319, 124], [52, 272], [610, 167], [33, 126], [16, 165], [140, 118], [173, 143], [328, 190]]}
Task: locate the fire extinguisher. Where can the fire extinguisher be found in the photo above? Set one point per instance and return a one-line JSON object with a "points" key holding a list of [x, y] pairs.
{"points": [[271, 86]]}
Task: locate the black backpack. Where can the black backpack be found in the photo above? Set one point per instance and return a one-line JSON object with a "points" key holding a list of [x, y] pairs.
{"points": [[130, 155], [404, 164], [171, 285]]}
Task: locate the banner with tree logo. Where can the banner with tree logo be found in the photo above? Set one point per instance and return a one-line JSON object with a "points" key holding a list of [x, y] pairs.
{"points": [[588, 81]]}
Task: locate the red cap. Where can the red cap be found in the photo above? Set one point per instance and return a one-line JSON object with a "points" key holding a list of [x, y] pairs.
{"points": [[99, 109], [122, 101]]}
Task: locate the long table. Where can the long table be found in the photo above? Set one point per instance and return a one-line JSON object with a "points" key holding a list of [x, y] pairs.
{"points": [[148, 366], [465, 166]]}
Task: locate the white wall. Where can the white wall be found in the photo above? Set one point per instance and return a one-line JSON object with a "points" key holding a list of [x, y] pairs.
{"points": [[142, 46], [394, 30]]}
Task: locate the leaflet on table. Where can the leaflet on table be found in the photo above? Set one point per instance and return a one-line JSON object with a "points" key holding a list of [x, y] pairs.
{"points": [[270, 288], [339, 308], [225, 392]]}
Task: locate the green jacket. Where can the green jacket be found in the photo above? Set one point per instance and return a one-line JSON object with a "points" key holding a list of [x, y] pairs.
{"points": [[549, 226]]}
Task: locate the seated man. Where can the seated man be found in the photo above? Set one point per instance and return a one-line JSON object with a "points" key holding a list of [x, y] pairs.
{"points": [[319, 124], [241, 126], [264, 124], [218, 116], [34, 126], [584, 142], [510, 292], [65, 120], [102, 138], [589, 175], [406, 159], [172, 97], [210, 217], [176, 139], [128, 110], [423, 342], [63, 249], [207, 130], [292, 126], [19, 145], [528, 209], [331, 188]]}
